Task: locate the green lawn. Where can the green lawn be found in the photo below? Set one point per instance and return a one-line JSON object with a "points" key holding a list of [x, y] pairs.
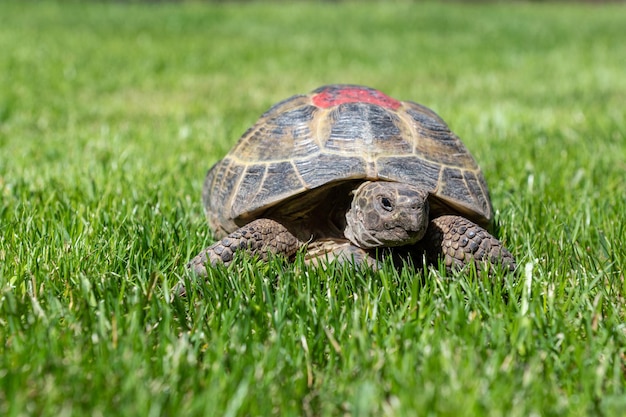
{"points": [[110, 115]]}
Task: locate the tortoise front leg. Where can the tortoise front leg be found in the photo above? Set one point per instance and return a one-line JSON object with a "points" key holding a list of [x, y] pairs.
{"points": [[257, 238], [458, 241]]}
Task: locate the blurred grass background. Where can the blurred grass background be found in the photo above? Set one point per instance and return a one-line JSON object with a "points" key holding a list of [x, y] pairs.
{"points": [[110, 115]]}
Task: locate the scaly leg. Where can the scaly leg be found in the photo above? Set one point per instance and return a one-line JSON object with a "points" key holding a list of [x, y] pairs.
{"points": [[257, 238], [458, 241]]}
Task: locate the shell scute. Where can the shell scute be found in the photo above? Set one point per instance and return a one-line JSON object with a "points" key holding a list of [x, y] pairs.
{"points": [[282, 135], [262, 183], [478, 187], [327, 168], [409, 169], [366, 130], [425, 117], [436, 142], [249, 187], [334, 95], [220, 185]]}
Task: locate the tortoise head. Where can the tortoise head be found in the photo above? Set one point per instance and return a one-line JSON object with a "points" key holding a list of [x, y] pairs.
{"points": [[387, 214]]}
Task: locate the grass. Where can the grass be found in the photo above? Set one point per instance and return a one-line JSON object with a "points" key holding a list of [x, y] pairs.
{"points": [[110, 115]]}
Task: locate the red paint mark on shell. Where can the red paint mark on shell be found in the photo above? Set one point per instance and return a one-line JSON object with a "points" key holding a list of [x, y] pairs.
{"points": [[335, 95]]}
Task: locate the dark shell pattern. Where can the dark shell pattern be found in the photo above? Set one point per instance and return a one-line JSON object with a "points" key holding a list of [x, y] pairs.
{"points": [[336, 134]]}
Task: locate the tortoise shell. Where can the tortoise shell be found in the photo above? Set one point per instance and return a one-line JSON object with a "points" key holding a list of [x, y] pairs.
{"points": [[339, 134]]}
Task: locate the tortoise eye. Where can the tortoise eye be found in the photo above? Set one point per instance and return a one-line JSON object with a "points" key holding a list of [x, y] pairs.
{"points": [[386, 203]]}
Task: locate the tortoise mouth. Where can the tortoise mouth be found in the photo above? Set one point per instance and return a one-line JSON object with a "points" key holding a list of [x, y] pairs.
{"points": [[398, 236], [392, 237]]}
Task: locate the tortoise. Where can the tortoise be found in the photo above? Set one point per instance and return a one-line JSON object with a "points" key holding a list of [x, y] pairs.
{"points": [[348, 172]]}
